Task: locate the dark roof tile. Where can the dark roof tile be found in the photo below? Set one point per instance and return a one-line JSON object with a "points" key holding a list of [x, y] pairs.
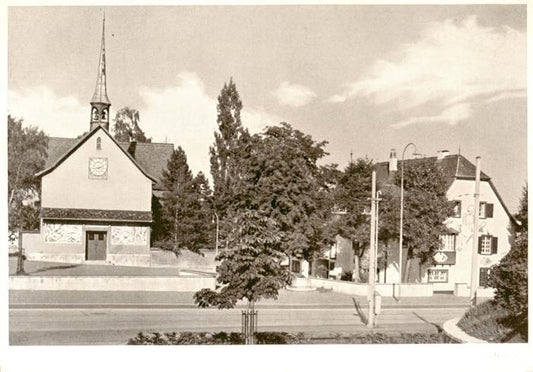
{"points": [[95, 214]]}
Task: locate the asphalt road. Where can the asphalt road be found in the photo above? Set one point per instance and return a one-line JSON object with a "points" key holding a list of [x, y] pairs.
{"points": [[113, 326]]}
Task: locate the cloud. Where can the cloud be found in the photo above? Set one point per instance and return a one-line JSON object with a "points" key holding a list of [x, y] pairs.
{"points": [[57, 116], [451, 67], [184, 114], [293, 95], [452, 115]]}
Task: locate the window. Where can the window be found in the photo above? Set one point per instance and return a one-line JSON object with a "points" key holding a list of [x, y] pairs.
{"points": [[487, 244], [296, 267], [438, 276], [486, 210], [484, 273], [457, 208], [448, 243], [98, 143]]}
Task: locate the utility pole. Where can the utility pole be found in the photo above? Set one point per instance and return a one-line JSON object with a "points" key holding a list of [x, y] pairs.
{"points": [[176, 230], [216, 238], [372, 257], [473, 277]]}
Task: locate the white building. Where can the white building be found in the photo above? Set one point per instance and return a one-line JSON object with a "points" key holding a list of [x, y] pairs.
{"points": [[452, 271]]}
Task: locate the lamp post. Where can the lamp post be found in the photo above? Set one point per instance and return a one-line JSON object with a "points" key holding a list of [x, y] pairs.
{"points": [[401, 219], [216, 237]]}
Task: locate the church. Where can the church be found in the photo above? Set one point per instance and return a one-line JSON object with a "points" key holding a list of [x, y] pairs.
{"points": [[96, 192]]}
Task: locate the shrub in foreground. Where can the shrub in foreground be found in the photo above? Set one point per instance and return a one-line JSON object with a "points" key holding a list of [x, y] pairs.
{"points": [[283, 338], [488, 322]]}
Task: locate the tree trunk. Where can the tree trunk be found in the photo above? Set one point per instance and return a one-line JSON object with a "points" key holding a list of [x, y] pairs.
{"points": [[407, 270], [355, 275], [20, 259], [249, 322]]}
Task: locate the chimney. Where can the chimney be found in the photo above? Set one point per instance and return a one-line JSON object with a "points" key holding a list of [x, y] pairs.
{"points": [[393, 161], [132, 146], [442, 154]]}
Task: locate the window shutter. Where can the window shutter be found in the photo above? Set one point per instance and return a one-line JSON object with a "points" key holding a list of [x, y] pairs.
{"points": [[494, 245], [489, 210], [479, 244]]}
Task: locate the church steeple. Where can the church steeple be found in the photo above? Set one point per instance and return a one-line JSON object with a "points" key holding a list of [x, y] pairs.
{"points": [[100, 102]]}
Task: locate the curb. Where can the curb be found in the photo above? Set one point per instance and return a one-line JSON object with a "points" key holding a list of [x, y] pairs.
{"points": [[453, 331]]}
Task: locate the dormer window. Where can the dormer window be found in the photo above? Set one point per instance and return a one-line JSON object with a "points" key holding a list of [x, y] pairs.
{"points": [[98, 143]]}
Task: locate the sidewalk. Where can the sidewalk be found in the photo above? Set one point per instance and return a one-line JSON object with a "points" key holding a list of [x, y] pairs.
{"points": [[41, 268], [286, 299]]}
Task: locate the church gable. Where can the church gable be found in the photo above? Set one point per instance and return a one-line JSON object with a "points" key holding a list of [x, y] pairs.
{"points": [[97, 173]]}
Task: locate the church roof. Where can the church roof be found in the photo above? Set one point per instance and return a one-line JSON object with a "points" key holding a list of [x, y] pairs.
{"points": [[100, 92], [151, 159]]}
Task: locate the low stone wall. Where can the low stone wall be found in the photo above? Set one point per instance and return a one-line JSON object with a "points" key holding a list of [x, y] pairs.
{"points": [[463, 290], [108, 283], [384, 289], [414, 290], [186, 259]]}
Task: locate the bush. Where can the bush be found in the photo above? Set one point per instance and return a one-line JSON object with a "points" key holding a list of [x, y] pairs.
{"points": [[510, 276], [284, 338], [488, 321], [187, 338]]}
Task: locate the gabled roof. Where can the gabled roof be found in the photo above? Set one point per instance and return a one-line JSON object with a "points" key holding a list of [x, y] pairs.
{"points": [[152, 157], [52, 164], [455, 167]]}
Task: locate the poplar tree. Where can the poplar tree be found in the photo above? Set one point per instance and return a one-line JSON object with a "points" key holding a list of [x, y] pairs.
{"points": [[226, 152]]}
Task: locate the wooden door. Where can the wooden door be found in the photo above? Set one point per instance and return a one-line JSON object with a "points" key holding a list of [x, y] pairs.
{"points": [[96, 245]]}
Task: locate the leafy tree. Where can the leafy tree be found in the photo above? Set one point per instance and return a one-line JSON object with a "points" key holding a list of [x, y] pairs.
{"points": [[288, 186], [510, 278], [352, 193], [278, 211], [185, 207], [127, 126], [251, 269], [27, 152], [426, 207]]}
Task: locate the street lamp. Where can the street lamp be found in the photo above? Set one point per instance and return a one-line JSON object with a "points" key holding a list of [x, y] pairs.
{"points": [[401, 216], [216, 237]]}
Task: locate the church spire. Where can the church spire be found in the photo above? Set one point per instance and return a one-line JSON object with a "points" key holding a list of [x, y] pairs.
{"points": [[100, 102]]}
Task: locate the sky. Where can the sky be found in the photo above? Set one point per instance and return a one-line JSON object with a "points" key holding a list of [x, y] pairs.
{"points": [[364, 78]]}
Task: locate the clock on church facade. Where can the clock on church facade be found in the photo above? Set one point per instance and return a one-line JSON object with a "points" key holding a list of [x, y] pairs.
{"points": [[98, 168]]}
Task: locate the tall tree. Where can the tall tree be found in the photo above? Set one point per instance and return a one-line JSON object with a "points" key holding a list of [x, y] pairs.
{"points": [[426, 207], [27, 152], [185, 210], [510, 277], [281, 193], [226, 152], [351, 194], [127, 126]]}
